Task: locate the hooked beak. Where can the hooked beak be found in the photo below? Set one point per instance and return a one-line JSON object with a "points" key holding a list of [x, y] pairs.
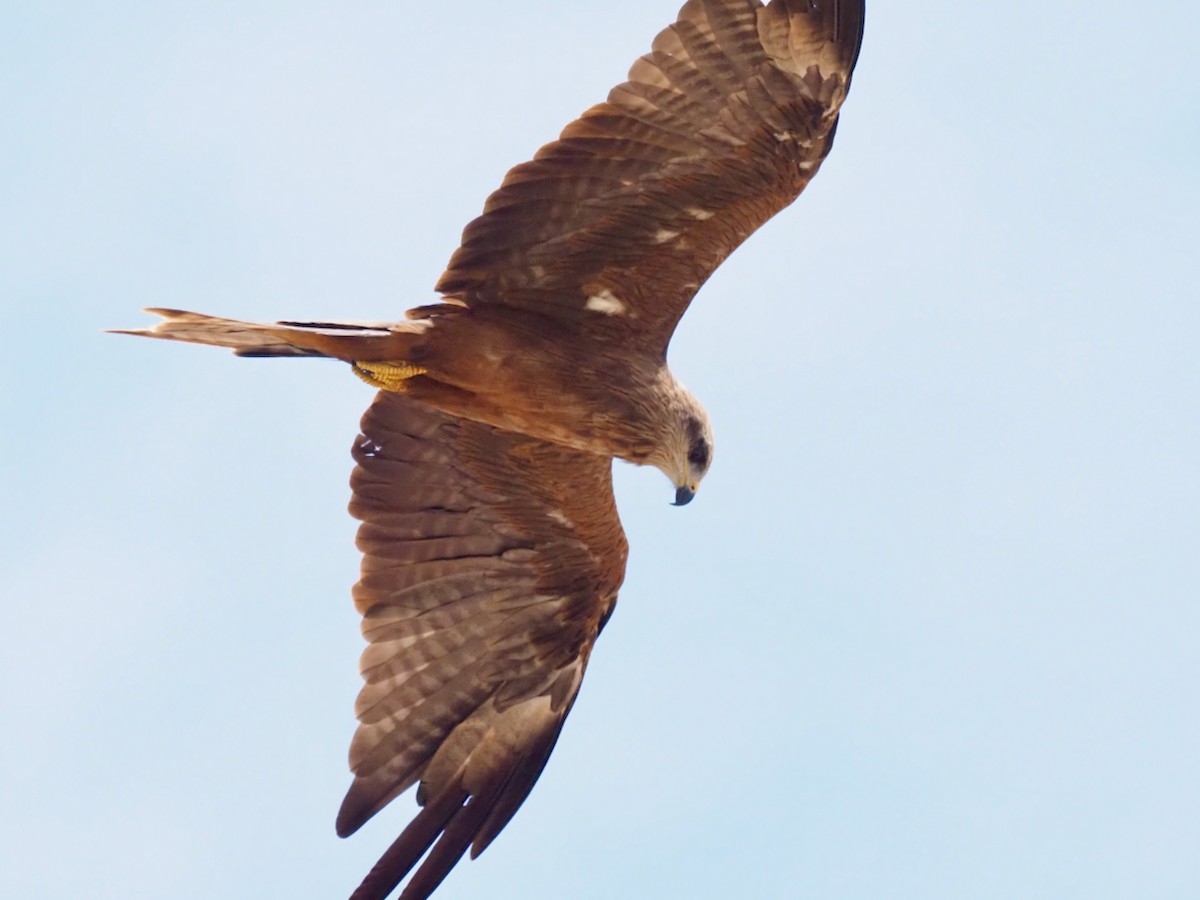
{"points": [[683, 495]]}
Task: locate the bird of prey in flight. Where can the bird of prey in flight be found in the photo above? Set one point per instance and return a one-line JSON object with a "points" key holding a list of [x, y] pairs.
{"points": [[492, 551]]}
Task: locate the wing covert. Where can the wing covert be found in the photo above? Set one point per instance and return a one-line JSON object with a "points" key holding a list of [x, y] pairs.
{"points": [[615, 225]]}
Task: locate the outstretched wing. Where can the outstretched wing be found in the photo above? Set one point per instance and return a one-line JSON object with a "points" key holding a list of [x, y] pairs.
{"points": [[491, 562], [615, 225]]}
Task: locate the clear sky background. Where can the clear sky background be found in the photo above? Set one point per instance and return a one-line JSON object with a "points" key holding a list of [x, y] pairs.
{"points": [[931, 628]]}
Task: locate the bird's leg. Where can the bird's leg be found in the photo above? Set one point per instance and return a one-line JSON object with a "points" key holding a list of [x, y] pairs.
{"points": [[389, 376]]}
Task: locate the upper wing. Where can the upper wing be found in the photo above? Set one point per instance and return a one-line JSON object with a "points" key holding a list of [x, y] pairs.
{"points": [[617, 223], [491, 561]]}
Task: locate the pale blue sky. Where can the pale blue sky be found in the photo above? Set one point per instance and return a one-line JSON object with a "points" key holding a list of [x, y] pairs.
{"points": [[930, 629]]}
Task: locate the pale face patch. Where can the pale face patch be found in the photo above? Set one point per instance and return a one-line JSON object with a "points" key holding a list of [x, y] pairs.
{"points": [[606, 302]]}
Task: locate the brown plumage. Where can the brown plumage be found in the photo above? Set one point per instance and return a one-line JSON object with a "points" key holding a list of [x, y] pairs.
{"points": [[492, 551], [491, 561]]}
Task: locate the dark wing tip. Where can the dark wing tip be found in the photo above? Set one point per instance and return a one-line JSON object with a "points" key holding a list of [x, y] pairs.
{"points": [[409, 847], [456, 819], [837, 24], [850, 20]]}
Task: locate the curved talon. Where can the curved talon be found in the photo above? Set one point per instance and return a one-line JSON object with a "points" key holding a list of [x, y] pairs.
{"points": [[388, 376]]}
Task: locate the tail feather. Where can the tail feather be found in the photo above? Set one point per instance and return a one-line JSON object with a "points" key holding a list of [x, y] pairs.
{"points": [[346, 341]]}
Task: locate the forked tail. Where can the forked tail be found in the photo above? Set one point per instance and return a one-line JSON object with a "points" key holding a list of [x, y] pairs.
{"points": [[351, 342]]}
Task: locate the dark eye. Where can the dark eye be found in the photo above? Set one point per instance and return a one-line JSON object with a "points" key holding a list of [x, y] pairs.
{"points": [[698, 454]]}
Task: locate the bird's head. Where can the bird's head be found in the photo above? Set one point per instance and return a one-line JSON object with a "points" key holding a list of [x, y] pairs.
{"points": [[687, 452]]}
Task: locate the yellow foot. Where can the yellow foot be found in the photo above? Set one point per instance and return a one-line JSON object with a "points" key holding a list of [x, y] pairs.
{"points": [[389, 376]]}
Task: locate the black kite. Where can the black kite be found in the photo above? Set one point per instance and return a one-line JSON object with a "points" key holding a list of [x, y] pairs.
{"points": [[492, 548]]}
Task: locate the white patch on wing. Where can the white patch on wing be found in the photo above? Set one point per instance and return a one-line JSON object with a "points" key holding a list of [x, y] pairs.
{"points": [[702, 215], [665, 234], [558, 516], [606, 302], [370, 447]]}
